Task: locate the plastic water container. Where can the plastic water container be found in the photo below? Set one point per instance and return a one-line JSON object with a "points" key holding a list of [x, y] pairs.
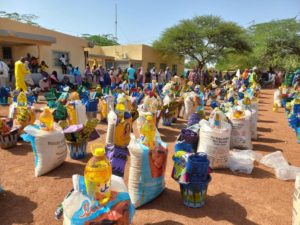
{"points": [[194, 194]]}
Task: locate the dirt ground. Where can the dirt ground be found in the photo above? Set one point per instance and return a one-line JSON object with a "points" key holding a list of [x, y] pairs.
{"points": [[258, 198]]}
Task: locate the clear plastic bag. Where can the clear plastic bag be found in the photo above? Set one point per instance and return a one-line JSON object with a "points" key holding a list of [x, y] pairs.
{"points": [[242, 160], [283, 170], [274, 160]]}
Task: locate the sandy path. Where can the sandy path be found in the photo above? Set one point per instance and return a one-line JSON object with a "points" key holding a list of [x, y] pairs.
{"points": [[258, 198]]}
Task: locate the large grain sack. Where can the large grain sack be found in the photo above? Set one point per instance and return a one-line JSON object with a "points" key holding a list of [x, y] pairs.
{"points": [[146, 172], [241, 129], [277, 97], [188, 105], [253, 123], [214, 140], [49, 148]]}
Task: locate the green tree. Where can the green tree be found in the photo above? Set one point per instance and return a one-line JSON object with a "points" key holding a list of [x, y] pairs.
{"points": [[102, 40], [23, 18], [276, 43], [203, 39]]}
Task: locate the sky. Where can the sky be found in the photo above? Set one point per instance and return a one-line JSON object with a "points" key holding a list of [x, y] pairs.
{"points": [[143, 21]]}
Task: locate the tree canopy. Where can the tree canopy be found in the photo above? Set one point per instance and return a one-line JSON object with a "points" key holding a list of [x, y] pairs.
{"points": [[23, 18], [102, 40], [275, 44], [203, 39]]}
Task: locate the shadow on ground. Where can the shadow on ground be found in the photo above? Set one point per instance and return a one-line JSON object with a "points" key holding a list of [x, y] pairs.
{"points": [[66, 170], [257, 173], [165, 222], [265, 148], [263, 129], [222, 204], [22, 148], [16, 209], [266, 121]]}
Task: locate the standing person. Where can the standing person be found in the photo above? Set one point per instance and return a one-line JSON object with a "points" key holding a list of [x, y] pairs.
{"points": [[11, 71], [43, 68], [196, 77], [20, 72], [101, 76], [167, 75], [153, 73], [140, 77], [147, 77], [63, 61], [227, 76], [3, 73], [77, 75], [131, 72], [112, 78], [96, 74], [119, 78], [161, 76], [88, 74], [191, 75]]}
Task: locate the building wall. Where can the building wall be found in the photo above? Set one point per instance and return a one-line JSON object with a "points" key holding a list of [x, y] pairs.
{"points": [[152, 56], [137, 54], [64, 43]]}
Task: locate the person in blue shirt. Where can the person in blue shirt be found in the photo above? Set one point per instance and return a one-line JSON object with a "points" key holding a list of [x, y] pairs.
{"points": [[131, 72]]}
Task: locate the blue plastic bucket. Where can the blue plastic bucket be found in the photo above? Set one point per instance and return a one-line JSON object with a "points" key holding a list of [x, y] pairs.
{"points": [[183, 146], [194, 194], [197, 167], [296, 109], [77, 150], [92, 105]]}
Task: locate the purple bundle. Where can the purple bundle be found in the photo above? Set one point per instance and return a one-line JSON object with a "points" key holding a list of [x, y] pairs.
{"points": [[189, 136], [193, 119], [117, 156]]}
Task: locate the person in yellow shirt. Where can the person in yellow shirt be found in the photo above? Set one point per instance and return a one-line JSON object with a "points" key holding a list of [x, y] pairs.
{"points": [[20, 72]]}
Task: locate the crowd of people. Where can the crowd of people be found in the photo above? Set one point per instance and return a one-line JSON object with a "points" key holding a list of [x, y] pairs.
{"points": [[15, 72]]}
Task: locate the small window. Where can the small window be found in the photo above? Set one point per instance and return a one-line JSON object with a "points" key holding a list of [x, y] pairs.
{"points": [[6, 52], [150, 66], [56, 55], [109, 64], [136, 65], [163, 66], [174, 69]]}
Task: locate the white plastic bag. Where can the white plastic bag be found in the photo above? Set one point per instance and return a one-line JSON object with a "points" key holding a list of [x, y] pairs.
{"points": [[242, 160], [287, 173], [49, 148], [283, 170], [274, 160], [215, 143]]}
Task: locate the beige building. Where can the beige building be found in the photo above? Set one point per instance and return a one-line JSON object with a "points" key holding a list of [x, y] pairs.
{"points": [[17, 39], [139, 55]]}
